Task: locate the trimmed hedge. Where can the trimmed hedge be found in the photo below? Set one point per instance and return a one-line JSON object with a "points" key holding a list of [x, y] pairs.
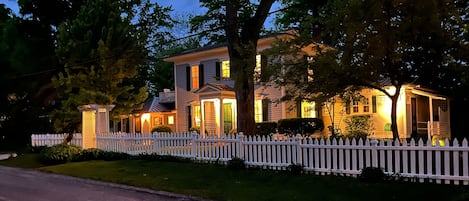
{"points": [[266, 128], [304, 126], [163, 129]]}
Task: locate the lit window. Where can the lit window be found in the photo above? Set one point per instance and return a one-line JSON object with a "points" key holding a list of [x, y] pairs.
{"points": [[258, 111], [366, 105], [257, 68], [308, 109], [225, 69], [170, 120], [197, 115], [195, 77], [355, 106]]}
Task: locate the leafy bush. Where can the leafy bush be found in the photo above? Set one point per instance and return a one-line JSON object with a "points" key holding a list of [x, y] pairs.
{"points": [[58, 154], [195, 128], [266, 128], [372, 174], [359, 126], [37, 149], [295, 169], [166, 158], [304, 126], [89, 154], [162, 129], [113, 156], [236, 164]]}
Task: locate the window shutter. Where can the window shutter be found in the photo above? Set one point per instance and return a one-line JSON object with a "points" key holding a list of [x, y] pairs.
{"points": [[218, 70], [264, 75], [201, 75], [188, 78], [298, 109], [265, 109], [373, 104]]}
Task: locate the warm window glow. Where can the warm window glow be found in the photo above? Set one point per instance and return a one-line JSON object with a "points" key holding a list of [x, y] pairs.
{"points": [[257, 68], [308, 109], [195, 77], [197, 115], [258, 111], [225, 69], [170, 120], [355, 106], [366, 105]]}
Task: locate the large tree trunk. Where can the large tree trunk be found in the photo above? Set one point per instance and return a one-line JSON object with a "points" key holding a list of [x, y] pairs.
{"points": [[244, 88], [394, 98], [242, 48]]}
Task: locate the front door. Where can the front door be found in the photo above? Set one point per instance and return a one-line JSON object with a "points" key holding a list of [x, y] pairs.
{"points": [[227, 117]]}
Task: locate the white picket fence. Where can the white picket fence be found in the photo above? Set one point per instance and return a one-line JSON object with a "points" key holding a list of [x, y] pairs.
{"points": [[417, 161], [53, 139]]}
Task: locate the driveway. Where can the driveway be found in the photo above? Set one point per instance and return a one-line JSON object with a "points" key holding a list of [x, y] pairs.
{"points": [[25, 185]]}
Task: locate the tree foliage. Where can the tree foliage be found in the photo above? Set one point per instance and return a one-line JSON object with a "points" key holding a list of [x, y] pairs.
{"points": [[382, 43], [102, 50]]}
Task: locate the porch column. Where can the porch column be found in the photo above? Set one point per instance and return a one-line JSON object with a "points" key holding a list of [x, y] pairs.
{"points": [[132, 123], [430, 127], [221, 129], [95, 120], [202, 118]]}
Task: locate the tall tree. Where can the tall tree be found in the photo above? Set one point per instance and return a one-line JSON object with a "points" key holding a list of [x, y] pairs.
{"points": [[242, 22], [386, 42], [102, 50]]}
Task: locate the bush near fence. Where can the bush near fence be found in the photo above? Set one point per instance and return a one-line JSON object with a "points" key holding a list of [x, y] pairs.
{"points": [[418, 160]]}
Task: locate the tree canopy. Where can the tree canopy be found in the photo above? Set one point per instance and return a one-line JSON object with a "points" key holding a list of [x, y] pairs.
{"points": [[380, 43], [102, 50]]}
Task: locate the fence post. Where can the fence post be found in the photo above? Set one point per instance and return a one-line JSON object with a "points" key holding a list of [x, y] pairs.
{"points": [[240, 152], [194, 144], [374, 152], [298, 148], [156, 137]]}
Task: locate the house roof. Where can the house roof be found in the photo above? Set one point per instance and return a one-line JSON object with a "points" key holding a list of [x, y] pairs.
{"points": [[214, 87], [269, 38], [153, 105]]}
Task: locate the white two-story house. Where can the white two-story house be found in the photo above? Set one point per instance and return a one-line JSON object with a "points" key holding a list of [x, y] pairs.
{"points": [[205, 99]]}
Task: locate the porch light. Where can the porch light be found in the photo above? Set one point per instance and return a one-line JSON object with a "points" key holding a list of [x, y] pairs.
{"points": [[145, 117]]}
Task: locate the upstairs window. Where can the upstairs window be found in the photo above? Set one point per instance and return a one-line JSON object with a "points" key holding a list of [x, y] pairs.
{"points": [[355, 106], [195, 77], [366, 105], [225, 69], [258, 110]]}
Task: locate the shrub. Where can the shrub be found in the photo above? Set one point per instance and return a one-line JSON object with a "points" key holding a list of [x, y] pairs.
{"points": [[266, 128], [166, 158], [236, 164], [195, 128], [113, 156], [295, 169], [38, 149], [304, 126], [89, 154], [359, 126], [58, 154], [162, 129], [372, 174]]}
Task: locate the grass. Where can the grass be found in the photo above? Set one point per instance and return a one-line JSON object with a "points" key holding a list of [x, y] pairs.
{"points": [[220, 183], [26, 160]]}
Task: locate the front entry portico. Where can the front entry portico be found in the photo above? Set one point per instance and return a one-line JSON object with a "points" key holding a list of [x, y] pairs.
{"points": [[217, 109]]}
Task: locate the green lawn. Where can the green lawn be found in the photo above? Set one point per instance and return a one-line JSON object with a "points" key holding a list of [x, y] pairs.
{"points": [[220, 183]]}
